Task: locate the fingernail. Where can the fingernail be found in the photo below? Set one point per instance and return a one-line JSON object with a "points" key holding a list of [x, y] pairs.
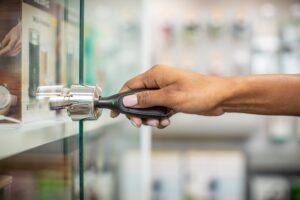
{"points": [[133, 123], [130, 100], [165, 122], [153, 122]]}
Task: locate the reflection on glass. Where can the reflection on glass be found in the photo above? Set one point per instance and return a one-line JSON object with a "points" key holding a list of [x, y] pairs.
{"points": [[112, 56], [47, 172], [10, 60], [112, 43], [34, 61], [69, 62], [6, 100], [38, 157], [44, 72], [11, 43], [112, 164]]}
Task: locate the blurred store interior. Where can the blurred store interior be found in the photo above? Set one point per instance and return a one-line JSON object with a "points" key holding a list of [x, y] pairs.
{"points": [[230, 157], [235, 156]]}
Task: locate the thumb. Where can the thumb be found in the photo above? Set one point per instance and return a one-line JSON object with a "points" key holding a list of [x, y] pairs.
{"points": [[145, 99]]}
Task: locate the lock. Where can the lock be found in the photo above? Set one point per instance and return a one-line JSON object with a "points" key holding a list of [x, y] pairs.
{"points": [[85, 102], [79, 100]]}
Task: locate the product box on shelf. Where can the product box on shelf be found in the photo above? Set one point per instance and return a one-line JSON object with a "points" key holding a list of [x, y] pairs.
{"points": [[10, 60], [38, 46], [39, 56], [69, 48]]}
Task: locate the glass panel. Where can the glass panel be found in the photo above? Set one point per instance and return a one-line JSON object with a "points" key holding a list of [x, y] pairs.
{"points": [[39, 45], [112, 43], [112, 55], [112, 164], [46, 172]]}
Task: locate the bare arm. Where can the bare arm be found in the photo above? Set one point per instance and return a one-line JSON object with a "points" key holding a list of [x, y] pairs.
{"points": [[194, 93], [265, 94]]}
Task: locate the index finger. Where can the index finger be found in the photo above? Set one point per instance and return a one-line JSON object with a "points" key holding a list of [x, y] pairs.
{"points": [[145, 80], [134, 83], [141, 81]]}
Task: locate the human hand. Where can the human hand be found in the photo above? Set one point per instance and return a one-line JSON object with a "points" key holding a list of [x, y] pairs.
{"points": [[180, 90], [11, 44]]}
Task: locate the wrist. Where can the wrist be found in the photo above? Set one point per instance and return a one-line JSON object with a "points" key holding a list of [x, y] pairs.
{"points": [[235, 89]]}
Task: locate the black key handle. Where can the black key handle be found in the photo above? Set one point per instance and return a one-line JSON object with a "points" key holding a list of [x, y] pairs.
{"points": [[115, 102]]}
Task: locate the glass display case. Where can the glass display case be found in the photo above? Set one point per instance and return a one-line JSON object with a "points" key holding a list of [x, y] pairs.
{"points": [[43, 153], [113, 46], [39, 148]]}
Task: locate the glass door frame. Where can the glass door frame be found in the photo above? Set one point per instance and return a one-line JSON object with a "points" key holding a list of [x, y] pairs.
{"points": [[81, 81]]}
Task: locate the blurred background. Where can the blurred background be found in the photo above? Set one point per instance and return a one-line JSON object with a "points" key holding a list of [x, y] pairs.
{"points": [[231, 157], [234, 156]]}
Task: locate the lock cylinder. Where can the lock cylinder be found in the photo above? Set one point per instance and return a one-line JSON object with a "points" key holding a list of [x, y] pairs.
{"points": [[78, 100], [81, 102]]}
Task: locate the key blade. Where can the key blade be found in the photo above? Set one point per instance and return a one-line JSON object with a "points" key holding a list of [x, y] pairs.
{"points": [[45, 92], [59, 103]]}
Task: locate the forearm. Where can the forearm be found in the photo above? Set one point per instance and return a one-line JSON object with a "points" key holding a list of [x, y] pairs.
{"points": [[264, 94]]}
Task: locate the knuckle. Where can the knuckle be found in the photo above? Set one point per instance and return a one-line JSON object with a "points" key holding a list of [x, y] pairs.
{"points": [[175, 101], [143, 98], [149, 80], [156, 67], [170, 92], [155, 71], [128, 84], [158, 71]]}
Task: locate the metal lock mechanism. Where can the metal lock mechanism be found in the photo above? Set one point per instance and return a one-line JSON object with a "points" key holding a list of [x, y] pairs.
{"points": [[79, 100], [85, 102]]}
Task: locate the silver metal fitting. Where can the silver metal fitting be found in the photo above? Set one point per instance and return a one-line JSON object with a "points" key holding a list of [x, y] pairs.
{"points": [[78, 100]]}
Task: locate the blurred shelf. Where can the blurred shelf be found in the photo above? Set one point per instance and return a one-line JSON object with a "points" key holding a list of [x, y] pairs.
{"points": [[225, 127], [103, 121], [290, 168], [15, 139], [274, 157]]}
